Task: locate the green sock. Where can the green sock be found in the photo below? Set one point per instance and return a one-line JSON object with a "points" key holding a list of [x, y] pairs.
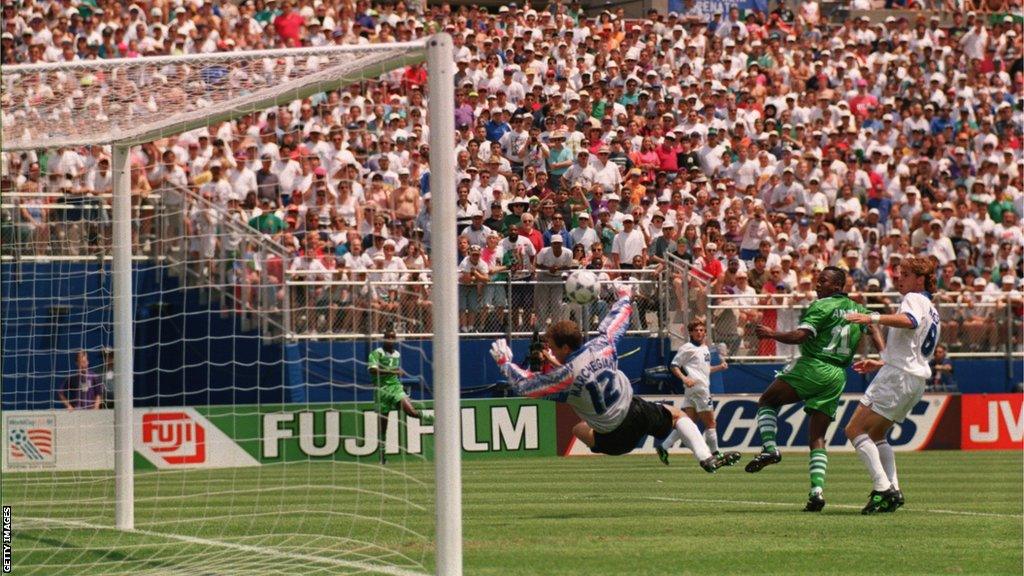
{"points": [[766, 425], [818, 465]]}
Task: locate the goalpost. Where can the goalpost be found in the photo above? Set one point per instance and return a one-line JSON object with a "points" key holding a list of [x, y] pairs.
{"points": [[125, 103]]}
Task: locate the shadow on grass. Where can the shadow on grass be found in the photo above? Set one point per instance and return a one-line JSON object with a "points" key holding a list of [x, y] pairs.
{"points": [[86, 556]]}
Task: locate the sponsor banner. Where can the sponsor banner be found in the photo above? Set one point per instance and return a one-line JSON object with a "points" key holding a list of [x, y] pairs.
{"points": [[506, 427], [736, 419], [58, 440], [176, 438], [992, 422], [238, 436]]}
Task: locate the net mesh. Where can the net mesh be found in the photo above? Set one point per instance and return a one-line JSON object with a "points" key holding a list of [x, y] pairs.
{"points": [[255, 452], [133, 100]]}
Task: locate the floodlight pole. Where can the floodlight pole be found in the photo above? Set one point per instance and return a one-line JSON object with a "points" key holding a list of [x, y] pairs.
{"points": [[124, 452], [447, 434]]}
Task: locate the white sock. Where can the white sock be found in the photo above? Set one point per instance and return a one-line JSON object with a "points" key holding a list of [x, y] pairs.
{"points": [[711, 437], [671, 440], [868, 453], [888, 458], [693, 439]]}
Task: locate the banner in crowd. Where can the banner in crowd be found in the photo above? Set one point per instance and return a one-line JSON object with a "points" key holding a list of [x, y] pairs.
{"points": [[704, 9], [928, 426]]}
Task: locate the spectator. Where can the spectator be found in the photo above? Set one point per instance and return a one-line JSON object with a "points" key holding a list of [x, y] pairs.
{"points": [[552, 262], [807, 148], [83, 390], [473, 278], [942, 372]]}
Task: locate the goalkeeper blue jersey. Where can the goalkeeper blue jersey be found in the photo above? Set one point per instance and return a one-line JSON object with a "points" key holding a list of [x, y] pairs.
{"points": [[589, 381]]}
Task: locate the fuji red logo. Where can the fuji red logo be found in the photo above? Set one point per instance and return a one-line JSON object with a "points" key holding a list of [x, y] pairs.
{"points": [[175, 437]]}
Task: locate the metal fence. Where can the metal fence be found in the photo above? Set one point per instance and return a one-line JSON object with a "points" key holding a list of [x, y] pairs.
{"points": [[986, 325], [342, 304]]}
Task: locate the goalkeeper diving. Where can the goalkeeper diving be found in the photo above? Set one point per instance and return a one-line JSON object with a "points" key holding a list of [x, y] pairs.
{"points": [[586, 376]]}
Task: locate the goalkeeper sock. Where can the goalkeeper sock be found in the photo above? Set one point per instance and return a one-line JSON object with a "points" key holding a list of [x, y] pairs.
{"points": [[692, 438], [818, 465], [711, 437], [671, 440], [767, 425], [868, 453], [888, 458]]}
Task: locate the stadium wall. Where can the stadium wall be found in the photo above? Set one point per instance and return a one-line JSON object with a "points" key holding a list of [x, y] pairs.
{"points": [[194, 356], [241, 436]]}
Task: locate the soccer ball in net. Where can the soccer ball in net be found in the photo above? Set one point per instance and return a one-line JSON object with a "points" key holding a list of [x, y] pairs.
{"points": [[582, 287]]}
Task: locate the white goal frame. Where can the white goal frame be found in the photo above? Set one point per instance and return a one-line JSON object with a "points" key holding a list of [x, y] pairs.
{"points": [[438, 51]]}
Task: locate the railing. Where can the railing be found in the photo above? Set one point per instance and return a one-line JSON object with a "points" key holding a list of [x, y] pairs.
{"points": [[77, 226], [246, 272], [988, 328], [685, 291], [239, 266], [350, 304]]}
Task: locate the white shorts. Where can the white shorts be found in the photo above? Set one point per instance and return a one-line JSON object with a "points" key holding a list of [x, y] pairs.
{"points": [[698, 398], [893, 393]]}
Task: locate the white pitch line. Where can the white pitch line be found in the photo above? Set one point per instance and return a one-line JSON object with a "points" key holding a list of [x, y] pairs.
{"points": [[365, 566], [846, 506]]}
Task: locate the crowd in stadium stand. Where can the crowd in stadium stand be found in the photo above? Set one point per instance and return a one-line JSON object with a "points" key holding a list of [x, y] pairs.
{"points": [[758, 147]]}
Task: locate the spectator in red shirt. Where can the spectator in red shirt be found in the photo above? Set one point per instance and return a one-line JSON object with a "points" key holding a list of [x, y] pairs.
{"points": [[415, 76], [288, 25], [668, 159], [863, 102]]}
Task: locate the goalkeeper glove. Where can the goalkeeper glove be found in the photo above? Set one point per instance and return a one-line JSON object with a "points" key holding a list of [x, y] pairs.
{"points": [[501, 352]]}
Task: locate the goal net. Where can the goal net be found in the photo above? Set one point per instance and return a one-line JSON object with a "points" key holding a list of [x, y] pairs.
{"points": [[186, 352]]}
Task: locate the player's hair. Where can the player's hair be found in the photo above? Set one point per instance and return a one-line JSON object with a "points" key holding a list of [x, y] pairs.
{"points": [[694, 324], [564, 333], [924, 267], [838, 275]]}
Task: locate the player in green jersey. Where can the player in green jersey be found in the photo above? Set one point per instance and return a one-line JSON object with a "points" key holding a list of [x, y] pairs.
{"points": [[385, 366], [827, 343]]}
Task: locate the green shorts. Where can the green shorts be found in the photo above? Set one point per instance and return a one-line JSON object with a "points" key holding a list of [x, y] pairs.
{"points": [[819, 384], [388, 398]]}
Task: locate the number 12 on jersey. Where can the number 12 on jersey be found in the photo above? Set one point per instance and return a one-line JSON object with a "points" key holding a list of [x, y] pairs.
{"points": [[602, 391]]}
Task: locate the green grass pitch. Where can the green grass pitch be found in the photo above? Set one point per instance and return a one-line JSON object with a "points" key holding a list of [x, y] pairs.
{"points": [[547, 516]]}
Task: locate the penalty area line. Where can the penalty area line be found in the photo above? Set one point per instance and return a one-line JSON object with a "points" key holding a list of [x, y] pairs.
{"points": [[844, 506], [363, 566]]}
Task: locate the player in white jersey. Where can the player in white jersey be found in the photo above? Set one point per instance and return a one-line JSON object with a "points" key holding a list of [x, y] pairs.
{"points": [[586, 376], [692, 366], [900, 382]]}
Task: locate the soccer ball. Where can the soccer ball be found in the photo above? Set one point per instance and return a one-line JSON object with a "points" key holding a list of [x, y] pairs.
{"points": [[582, 287]]}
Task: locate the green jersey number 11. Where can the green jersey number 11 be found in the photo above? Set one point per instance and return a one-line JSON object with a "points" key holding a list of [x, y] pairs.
{"points": [[840, 342]]}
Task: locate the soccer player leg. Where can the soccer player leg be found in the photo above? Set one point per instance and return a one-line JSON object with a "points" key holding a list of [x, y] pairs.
{"points": [[780, 393], [821, 401], [385, 402], [869, 424], [687, 408], [700, 398], [584, 433], [690, 434], [889, 398]]}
